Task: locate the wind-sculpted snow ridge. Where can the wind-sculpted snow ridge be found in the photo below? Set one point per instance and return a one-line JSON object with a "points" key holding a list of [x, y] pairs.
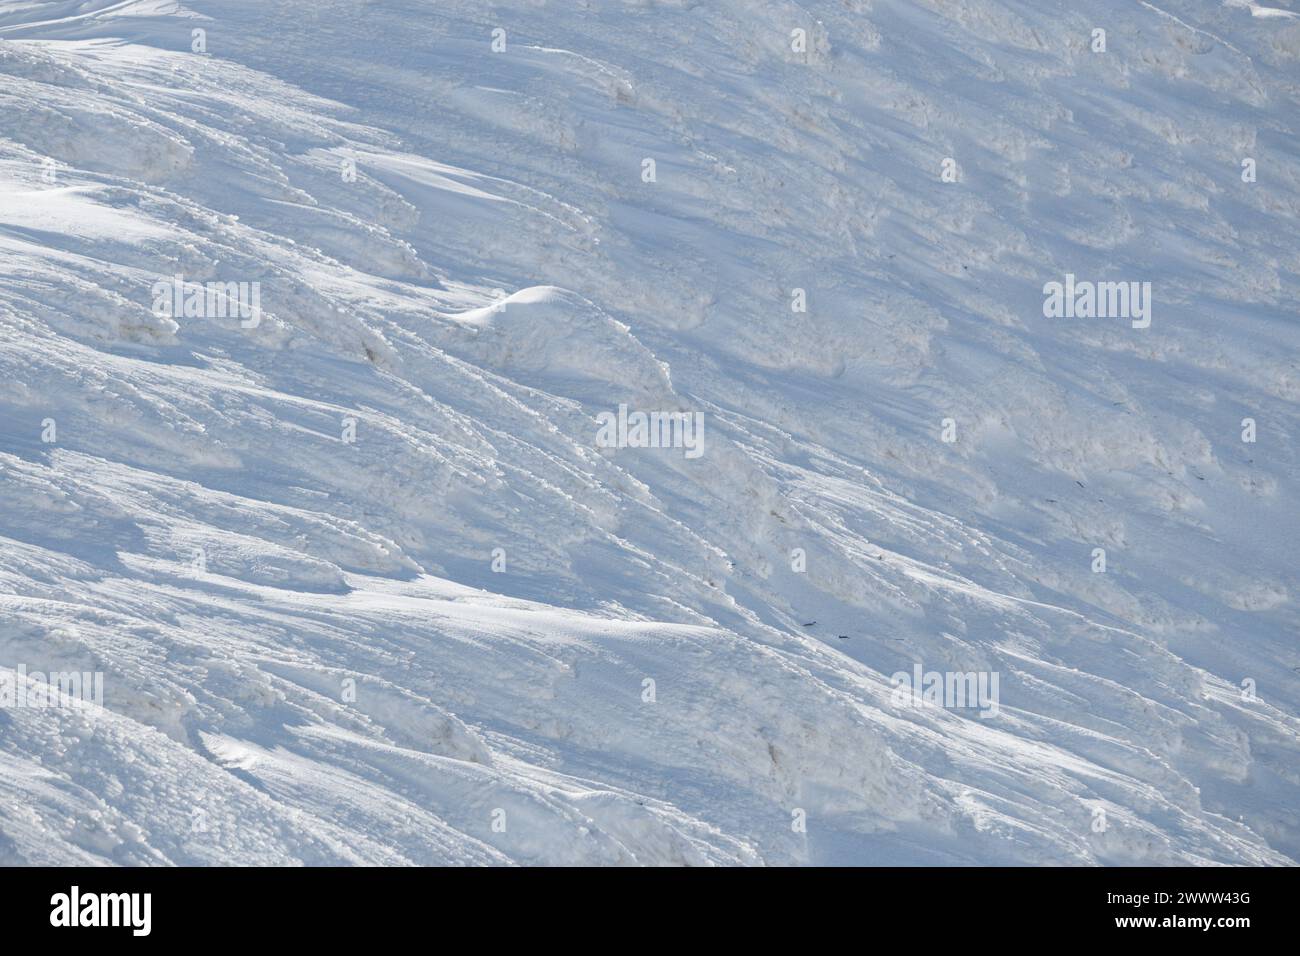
{"points": [[328, 330]]}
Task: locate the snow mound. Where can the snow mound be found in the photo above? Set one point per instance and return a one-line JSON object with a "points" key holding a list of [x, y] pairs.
{"points": [[556, 340]]}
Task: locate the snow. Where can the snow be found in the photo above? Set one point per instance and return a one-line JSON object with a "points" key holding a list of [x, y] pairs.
{"points": [[364, 587]]}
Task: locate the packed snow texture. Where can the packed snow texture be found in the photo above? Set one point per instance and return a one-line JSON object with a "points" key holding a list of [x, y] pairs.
{"points": [[362, 584]]}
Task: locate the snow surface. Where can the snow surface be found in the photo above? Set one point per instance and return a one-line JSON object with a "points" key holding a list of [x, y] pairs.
{"points": [[498, 275]]}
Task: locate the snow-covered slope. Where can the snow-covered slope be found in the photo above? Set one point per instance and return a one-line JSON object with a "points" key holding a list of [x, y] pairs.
{"points": [[365, 585]]}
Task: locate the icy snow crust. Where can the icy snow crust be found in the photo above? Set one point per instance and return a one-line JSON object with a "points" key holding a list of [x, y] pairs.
{"points": [[514, 179]]}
